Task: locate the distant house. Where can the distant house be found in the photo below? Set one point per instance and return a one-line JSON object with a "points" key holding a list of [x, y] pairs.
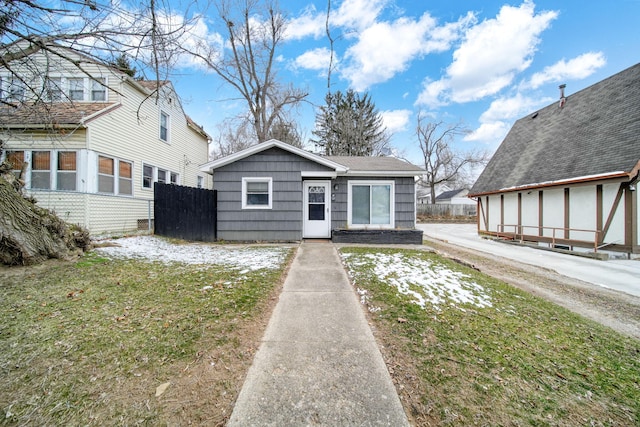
{"points": [[455, 197], [276, 192], [92, 140], [566, 175], [423, 192]]}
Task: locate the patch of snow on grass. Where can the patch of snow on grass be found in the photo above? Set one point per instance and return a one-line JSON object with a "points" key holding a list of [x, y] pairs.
{"points": [[425, 281], [155, 249]]}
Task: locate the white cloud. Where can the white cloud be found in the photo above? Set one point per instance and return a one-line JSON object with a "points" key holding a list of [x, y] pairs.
{"points": [[512, 108], [310, 24], [315, 59], [577, 68], [357, 14], [497, 120], [493, 132], [396, 120], [385, 49], [351, 17], [491, 55], [431, 93]]}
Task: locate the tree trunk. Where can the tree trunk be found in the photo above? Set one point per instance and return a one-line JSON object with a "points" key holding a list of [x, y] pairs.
{"points": [[30, 234]]}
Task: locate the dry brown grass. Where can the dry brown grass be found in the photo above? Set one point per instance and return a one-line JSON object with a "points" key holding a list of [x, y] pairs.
{"points": [[88, 343]]}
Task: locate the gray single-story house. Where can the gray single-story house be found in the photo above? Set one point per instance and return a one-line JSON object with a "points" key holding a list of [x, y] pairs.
{"points": [[274, 191], [566, 175]]}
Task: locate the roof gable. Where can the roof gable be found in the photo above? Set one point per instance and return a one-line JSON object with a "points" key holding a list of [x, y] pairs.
{"points": [[342, 165], [254, 149], [594, 133]]}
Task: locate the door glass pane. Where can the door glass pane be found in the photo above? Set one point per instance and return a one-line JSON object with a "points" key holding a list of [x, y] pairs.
{"points": [[316, 202], [360, 204], [316, 212], [381, 204]]}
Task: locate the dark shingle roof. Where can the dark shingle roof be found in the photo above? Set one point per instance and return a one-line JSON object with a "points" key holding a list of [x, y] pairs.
{"points": [[596, 132], [446, 195], [362, 163]]}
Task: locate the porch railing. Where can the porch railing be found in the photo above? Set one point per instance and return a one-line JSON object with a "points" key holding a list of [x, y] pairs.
{"points": [[519, 233]]}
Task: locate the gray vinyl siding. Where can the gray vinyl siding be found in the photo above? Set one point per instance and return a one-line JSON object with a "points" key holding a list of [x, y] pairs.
{"points": [[404, 201], [283, 222]]}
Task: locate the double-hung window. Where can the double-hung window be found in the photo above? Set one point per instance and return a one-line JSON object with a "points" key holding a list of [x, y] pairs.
{"points": [[162, 176], [16, 160], [257, 193], [164, 126], [125, 178], [41, 170], [115, 176], [53, 88], [99, 89], [106, 175], [151, 174], [371, 204], [147, 176], [66, 173], [76, 88]]}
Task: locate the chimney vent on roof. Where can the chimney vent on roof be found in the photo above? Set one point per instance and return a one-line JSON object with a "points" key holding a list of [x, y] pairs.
{"points": [[563, 100]]}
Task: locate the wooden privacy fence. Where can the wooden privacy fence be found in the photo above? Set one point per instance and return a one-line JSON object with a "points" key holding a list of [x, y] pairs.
{"points": [[185, 212], [442, 210]]}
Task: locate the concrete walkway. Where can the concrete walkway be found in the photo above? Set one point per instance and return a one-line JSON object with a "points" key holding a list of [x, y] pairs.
{"points": [[318, 363]]}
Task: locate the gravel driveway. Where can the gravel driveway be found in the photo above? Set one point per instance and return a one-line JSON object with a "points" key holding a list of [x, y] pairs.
{"points": [[614, 303]]}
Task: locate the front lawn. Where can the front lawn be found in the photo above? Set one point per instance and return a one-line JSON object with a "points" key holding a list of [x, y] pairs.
{"points": [[149, 333], [465, 349]]}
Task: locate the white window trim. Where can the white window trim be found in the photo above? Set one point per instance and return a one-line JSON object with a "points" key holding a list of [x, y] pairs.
{"points": [[245, 180], [116, 176], [168, 139], [392, 210], [150, 187], [154, 176]]}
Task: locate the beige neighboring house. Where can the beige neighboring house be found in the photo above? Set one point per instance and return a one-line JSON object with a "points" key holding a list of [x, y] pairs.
{"points": [[96, 140]]}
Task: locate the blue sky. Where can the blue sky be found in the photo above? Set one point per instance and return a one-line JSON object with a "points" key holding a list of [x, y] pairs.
{"points": [[485, 63]]}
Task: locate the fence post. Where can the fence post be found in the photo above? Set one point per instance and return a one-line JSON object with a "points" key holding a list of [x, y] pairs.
{"points": [[149, 216]]}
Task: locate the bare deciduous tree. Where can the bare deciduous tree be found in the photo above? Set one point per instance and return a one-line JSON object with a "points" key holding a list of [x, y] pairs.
{"points": [[150, 34], [443, 164], [255, 32]]}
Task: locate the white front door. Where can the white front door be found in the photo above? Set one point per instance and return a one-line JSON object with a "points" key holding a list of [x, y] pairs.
{"points": [[317, 209]]}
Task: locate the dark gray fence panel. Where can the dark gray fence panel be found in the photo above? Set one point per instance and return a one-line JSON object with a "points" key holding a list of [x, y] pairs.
{"points": [[185, 212]]}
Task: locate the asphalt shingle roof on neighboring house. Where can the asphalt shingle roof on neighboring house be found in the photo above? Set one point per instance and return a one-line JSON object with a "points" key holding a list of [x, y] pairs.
{"points": [[595, 133], [447, 195], [47, 114]]}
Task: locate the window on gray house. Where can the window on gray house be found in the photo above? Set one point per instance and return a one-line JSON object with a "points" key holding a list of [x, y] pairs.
{"points": [[256, 193]]}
